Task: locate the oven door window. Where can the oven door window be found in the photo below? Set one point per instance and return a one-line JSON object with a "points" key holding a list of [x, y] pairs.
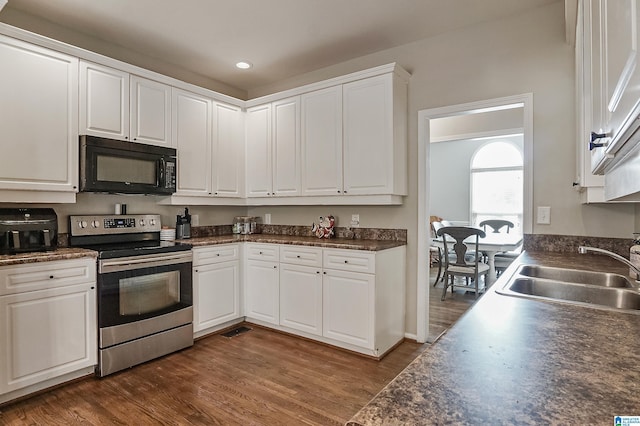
{"points": [[149, 293], [138, 294]]}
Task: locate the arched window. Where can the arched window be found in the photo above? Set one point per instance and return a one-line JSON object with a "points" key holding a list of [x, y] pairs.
{"points": [[497, 183]]}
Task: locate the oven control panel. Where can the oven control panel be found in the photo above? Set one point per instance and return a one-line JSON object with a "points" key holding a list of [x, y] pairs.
{"points": [[113, 224]]}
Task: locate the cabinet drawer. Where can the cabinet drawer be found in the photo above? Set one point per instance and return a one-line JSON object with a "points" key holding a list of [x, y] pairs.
{"points": [[301, 255], [215, 254], [349, 260], [46, 275], [263, 252]]}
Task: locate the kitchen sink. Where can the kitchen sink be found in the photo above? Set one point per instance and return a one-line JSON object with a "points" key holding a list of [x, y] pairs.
{"points": [[595, 289], [603, 279]]}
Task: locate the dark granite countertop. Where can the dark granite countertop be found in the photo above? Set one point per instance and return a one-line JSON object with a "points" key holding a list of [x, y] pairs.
{"points": [[511, 360], [61, 253], [343, 243]]}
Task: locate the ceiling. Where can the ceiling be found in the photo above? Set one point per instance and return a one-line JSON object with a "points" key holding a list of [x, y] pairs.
{"points": [[281, 38]]}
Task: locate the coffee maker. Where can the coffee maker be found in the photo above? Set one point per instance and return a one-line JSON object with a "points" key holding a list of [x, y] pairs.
{"points": [[183, 225]]}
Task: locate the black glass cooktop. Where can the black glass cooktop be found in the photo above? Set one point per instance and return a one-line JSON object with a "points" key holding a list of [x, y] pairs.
{"points": [[138, 248]]}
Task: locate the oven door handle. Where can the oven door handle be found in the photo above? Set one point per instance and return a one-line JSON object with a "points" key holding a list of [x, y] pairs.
{"points": [[146, 261]]}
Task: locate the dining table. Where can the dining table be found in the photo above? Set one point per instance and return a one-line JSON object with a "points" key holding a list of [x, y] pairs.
{"points": [[491, 244]]}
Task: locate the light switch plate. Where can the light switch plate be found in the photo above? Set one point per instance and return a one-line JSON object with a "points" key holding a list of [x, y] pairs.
{"points": [[355, 220], [267, 218], [544, 215], [195, 220]]}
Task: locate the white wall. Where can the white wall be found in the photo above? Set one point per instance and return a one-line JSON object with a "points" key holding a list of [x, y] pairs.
{"points": [[450, 177], [518, 55]]}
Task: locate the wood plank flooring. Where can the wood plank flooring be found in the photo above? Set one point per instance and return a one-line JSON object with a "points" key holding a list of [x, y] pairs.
{"points": [[442, 314], [260, 377], [256, 378]]}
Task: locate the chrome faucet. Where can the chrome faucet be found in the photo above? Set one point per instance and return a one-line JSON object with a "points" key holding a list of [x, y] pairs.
{"points": [[585, 249]]}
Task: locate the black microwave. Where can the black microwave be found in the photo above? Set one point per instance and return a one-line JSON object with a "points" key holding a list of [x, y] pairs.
{"points": [[113, 166]]}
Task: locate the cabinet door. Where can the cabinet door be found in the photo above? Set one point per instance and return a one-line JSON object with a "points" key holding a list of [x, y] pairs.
{"points": [[258, 151], [301, 298], [46, 334], [368, 136], [262, 291], [104, 101], [621, 72], [286, 147], [38, 118], [191, 130], [321, 117], [216, 294], [594, 85], [348, 307], [150, 112], [228, 152]]}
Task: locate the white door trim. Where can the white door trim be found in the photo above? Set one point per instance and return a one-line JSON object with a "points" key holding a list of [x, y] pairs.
{"points": [[424, 116]]}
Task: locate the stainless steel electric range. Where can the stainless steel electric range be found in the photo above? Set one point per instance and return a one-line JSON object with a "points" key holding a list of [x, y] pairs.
{"points": [[145, 294]]}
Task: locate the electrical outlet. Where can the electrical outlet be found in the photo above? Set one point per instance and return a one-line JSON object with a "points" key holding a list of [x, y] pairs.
{"points": [[544, 215], [355, 220], [267, 218], [195, 220]]}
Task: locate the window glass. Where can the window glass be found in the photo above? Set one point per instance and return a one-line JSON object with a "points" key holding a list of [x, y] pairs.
{"points": [[497, 154], [497, 184]]}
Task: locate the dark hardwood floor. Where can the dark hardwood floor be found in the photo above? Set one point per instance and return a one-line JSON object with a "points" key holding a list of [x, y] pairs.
{"points": [[260, 377], [443, 313]]}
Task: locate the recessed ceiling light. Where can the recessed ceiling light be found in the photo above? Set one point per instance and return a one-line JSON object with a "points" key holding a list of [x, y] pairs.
{"points": [[244, 65]]}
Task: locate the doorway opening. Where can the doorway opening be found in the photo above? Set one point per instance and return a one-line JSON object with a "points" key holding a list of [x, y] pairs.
{"points": [[481, 120]]}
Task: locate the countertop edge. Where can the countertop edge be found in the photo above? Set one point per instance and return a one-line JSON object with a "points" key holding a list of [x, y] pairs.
{"points": [[564, 364]]}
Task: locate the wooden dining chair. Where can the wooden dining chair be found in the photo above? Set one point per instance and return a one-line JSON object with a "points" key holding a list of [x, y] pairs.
{"points": [[459, 241], [501, 260], [435, 225], [496, 225]]}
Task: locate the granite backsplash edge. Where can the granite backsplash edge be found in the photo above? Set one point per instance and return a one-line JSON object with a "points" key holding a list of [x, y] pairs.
{"points": [[570, 243], [380, 234], [531, 242]]}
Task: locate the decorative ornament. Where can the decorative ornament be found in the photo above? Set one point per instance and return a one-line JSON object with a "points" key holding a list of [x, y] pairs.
{"points": [[324, 229]]}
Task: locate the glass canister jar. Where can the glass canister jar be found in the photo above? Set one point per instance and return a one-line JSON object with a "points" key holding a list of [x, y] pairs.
{"points": [[244, 225]]}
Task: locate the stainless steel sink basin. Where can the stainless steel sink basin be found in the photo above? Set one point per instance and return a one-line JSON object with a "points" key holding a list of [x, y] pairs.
{"points": [[603, 279], [606, 296], [595, 289]]}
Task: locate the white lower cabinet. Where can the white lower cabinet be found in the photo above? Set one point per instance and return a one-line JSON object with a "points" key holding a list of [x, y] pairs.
{"points": [[348, 307], [48, 323], [301, 297], [262, 283], [353, 299], [216, 286]]}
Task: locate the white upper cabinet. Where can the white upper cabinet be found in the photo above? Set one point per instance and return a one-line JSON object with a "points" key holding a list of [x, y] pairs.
{"points": [[611, 36], [273, 149], [286, 147], [208, 137], [258, 151], [589, 104], [337, 139], [39, 122], [321, 126], [374, 130], [150, 111], [117, 105], [104, 101], [192, 137], [228, 151]]}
